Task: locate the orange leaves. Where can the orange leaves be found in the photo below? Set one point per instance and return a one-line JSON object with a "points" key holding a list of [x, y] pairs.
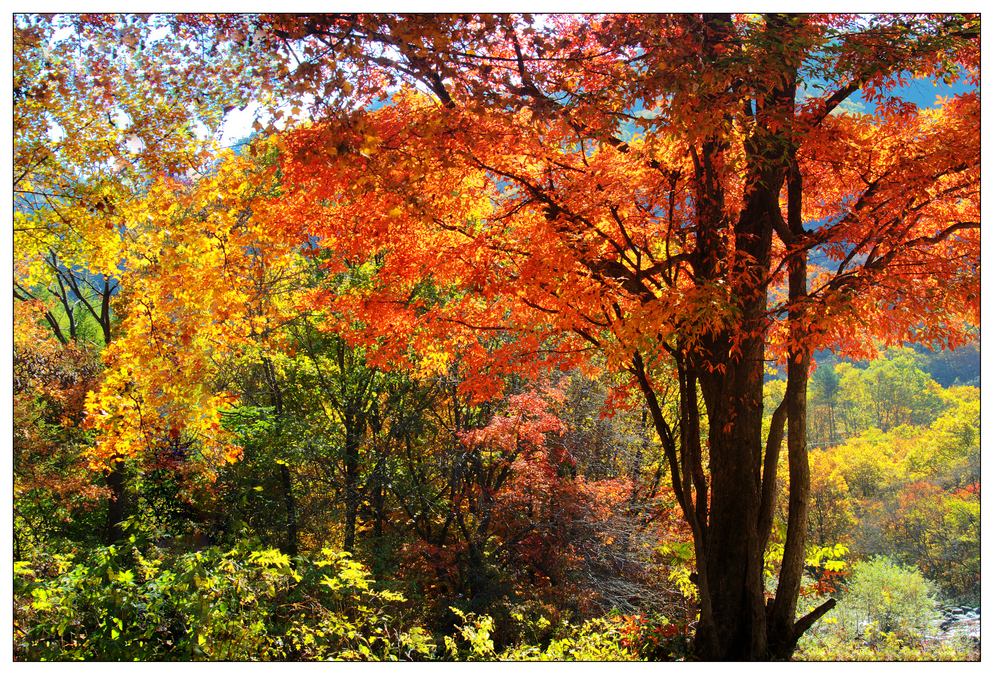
{"points": [[893, 204], [452, 196], [534, 216], [529, 418], [501, 196], [50, 382]]}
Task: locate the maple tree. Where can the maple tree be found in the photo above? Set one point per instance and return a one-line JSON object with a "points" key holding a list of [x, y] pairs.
{"points": [[97, 117], [504, 170], [675, 199]]}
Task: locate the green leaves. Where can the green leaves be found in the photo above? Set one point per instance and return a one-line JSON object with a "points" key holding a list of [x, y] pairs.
{"points": [[476, 632], [235, 605]]}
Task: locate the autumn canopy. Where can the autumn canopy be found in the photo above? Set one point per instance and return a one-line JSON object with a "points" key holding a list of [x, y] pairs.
{"points": [[689, 203]]}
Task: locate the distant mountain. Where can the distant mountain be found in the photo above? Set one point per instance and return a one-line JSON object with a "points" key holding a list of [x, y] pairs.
{"points": [[948, 367], [953, 367]]}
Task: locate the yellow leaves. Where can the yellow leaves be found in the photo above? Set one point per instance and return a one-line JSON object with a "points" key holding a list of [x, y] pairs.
{"points": [[370, 143], [270, 557], [432, 361], [198, 267], [27, 222]]}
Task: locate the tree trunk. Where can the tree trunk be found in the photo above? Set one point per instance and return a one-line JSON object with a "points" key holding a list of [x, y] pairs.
{"points": [[379, 504], [733, 553], [741, 625], [117, 505], [286, 482], [785, 631], [291, 510], [352, 436]]}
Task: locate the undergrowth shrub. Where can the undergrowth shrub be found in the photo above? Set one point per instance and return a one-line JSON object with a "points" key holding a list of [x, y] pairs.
{"points": [[116, 604]]}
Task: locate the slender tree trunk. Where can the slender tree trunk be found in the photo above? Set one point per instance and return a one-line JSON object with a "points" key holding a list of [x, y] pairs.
{"points": [[379, 505], [104, 318], [117, 504], [832, 435], [785, 629], [352, 437], [286, 479], [378, 479], [291, 510]]}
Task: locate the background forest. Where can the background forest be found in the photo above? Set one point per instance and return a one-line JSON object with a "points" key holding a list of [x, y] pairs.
{"points": [[373, 383], [543, 520]]}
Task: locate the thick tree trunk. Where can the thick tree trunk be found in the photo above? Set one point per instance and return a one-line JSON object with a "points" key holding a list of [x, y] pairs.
{"points": [[729, 364], [733, 549], [741, 624]]}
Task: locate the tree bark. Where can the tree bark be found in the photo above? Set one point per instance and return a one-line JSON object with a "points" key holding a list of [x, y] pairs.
{"points": [[117, 506], [784, 630], [733, 555], [352, 437], [286, 479], [291, 510], [730, 365]]}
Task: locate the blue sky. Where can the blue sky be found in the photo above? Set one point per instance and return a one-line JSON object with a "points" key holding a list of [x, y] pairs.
{"points": [[923, 92]]}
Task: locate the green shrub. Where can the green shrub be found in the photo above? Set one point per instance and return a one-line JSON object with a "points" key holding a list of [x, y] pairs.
{"points": [[884, 597], [887, 613], [207, 605], [835, 646], [117, 604], [594, 640]]}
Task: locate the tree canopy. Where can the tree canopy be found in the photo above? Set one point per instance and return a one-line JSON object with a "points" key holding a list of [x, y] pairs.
{"points": [[681, 201]]}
